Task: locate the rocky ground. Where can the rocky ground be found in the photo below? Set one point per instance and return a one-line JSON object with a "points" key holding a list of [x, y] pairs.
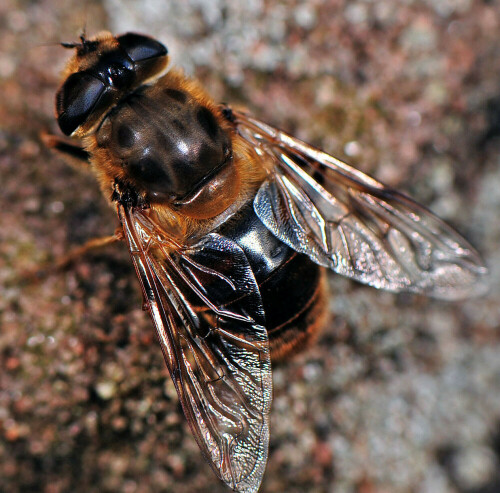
{"points": [[401, 393]]}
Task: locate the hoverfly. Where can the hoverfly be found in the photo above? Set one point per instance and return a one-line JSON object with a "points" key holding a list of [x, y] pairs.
{"points": [[230, 224]]}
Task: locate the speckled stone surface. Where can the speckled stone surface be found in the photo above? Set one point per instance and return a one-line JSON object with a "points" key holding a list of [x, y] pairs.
{"points": [[400, 394]]}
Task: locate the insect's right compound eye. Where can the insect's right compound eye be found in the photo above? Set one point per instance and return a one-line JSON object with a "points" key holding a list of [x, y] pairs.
{"points": [[140, 48], [77, 99]]}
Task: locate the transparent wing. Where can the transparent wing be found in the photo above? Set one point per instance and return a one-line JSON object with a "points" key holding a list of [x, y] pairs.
{"points": [[355, 225], [207, 309]]}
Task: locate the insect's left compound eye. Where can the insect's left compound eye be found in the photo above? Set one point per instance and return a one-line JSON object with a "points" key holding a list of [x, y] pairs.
{"points": [[77, 99], [140, 48]]}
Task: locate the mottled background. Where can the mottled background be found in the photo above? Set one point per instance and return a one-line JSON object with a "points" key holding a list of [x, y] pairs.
{"points": [[401, 394]]}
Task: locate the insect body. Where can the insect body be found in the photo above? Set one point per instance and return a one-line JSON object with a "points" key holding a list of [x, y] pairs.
{"points": [[230, 224]]}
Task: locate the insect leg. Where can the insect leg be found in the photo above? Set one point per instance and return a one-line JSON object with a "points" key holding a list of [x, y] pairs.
{"points": [[72, 151], [88, 246], [73, 255]]}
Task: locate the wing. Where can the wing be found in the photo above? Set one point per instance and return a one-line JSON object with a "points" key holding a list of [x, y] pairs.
{"points": [[353, 224], [207, 310]]}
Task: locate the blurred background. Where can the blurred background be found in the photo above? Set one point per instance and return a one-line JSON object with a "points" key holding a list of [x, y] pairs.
{"points": [[401, 393]]}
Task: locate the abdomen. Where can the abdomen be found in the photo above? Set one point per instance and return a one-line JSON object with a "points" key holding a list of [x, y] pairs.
{"points": [[293, 288]]}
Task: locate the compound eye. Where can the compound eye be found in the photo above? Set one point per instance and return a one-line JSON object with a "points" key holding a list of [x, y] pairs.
{"points": [[139, 47], [76, 100]]}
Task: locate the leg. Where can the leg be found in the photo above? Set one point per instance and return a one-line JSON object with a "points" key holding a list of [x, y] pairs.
{"points": [[73, 255], [73, 152], [93, 244]]}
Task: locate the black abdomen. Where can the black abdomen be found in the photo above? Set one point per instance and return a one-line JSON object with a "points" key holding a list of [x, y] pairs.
{"points": [[292, 287]]}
